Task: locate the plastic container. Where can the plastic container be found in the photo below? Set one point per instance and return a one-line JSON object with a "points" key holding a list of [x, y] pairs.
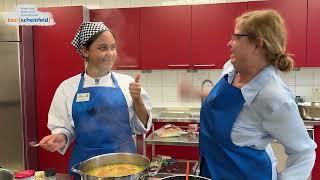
{"points": [[25, 175], [50, 174]]}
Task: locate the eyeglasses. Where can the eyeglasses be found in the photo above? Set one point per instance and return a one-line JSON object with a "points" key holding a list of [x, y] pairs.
{"points": [[237, 36]]}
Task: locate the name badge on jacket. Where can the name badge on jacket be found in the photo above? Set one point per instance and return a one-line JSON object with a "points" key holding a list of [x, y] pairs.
{"points": [[83, 97]]}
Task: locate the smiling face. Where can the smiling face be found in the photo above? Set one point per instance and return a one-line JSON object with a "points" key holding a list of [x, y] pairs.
{"points": [[241, 49], [101, 54]]}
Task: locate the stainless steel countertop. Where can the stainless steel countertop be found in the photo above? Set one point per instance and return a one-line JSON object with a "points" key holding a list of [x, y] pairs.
{"points": [[183, 140]]}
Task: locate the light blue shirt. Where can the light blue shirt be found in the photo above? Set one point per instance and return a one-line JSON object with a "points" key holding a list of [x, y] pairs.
{"points": [[270, 113]]}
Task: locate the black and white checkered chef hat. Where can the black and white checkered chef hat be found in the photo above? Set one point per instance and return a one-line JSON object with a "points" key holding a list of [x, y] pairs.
{"points": [[85, 32]]}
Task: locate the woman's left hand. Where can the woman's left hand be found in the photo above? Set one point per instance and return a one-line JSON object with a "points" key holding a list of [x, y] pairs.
{"points": [[135, 88]]}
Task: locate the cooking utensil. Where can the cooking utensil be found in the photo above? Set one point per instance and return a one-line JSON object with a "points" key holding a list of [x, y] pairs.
{"points": [[6, 174], [187, 170], [310, 110], [183, 177], [33, 144], [113, 158]]}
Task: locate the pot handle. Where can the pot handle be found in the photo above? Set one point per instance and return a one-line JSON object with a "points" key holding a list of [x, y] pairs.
{"points": [[75, 170]]}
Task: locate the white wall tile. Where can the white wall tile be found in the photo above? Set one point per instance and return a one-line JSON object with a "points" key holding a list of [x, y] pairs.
{"points": [[1, 5], [305, 92], [143, 79], [154, 79], [215, 75], [199, 77], [184, 76], [38, 3], [175, 2], [304, 77], [50, 3], [293, 89], [200, 1], [169, 94], [9, 5], [155, 93], [289, 78], [131, 73], [153, 3], [230, 1], [138, 3], [108, 4], [123, 3], [169, 78], [64, 2], [218, 1], [78, 2], [316, 77], [93, 4], [316, 97]]}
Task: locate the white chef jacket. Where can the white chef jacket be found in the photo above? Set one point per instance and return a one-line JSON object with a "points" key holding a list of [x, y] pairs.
{"points": [[60, 114], [269, 113]]}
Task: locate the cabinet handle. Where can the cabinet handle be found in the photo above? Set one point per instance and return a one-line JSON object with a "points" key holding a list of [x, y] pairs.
{"points": [[204, 66], [127, 67], [178, 66]]}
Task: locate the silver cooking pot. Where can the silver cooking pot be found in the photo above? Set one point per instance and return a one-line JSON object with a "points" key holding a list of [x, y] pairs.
{"points": [[6, 174], [113, 158]]}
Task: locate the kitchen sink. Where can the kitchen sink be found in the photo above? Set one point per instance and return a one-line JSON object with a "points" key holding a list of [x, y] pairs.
{"points": [[310, 110]]}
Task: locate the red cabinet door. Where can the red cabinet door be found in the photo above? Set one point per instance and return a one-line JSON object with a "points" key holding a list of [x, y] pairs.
{"points": [[295, 15], [165, 37], [313, 35], [124, 24], [212, 27], [55, 61]]}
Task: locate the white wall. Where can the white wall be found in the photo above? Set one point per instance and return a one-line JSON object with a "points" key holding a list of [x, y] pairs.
{"points": [[162, 85]]}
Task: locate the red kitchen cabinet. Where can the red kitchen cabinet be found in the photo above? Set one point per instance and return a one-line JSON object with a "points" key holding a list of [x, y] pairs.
{"points": [[55, 61], [313, 34], [165, 37], [124, 24], [212, 27], [295, 15]]}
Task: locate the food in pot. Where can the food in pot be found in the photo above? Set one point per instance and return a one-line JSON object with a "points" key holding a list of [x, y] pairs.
{"points": [[39, 175], [115, 170]]}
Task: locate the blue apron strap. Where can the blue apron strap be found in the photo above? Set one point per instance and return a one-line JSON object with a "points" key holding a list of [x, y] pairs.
{"points": [[81, 82]]}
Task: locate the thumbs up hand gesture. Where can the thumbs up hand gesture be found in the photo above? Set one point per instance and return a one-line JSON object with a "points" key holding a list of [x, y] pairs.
{"points": [[135, 88]]}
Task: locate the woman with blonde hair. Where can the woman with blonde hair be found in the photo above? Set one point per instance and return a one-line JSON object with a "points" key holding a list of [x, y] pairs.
{"points": [[250, 107]]}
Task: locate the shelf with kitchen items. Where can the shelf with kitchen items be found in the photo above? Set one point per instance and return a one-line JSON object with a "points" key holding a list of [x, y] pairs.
{"points": [[183, 147]]}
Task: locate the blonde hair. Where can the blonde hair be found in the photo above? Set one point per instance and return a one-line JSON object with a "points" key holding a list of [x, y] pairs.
{"points": [[269, 26]]}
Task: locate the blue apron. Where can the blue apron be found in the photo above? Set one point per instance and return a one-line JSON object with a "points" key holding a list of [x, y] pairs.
{"points": [[101, 123], [220, 158]]}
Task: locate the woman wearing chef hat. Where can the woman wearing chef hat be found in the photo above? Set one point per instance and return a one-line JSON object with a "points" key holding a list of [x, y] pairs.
{"points": [[98, 108], [250, 107]]}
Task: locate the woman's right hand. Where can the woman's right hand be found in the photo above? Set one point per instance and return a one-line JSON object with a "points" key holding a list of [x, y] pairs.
{"points": [[53, 142]]}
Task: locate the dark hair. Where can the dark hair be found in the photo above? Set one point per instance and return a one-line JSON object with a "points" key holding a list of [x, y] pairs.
{"points": [[94, 37]]}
